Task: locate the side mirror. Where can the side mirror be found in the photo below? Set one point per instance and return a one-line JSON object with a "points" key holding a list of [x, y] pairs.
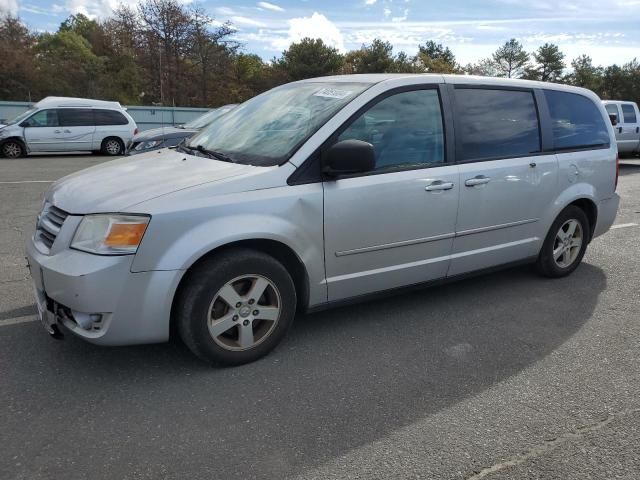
{"points": [[349, 157], [614, 119]]}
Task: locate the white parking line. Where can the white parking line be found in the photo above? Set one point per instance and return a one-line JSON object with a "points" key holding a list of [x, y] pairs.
{"points": [[624, 225], [15, 321], [28, 181]]}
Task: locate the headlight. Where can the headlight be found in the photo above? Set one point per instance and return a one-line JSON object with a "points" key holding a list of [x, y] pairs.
{"points": [[110, 234], [149, 144]]}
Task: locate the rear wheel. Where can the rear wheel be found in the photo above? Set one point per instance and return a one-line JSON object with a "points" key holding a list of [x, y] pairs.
{"points": [[234, 308], [112, 146], [565, 244], [13, 149]]}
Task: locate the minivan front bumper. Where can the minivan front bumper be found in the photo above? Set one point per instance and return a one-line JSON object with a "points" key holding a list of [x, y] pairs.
{"points": [[99, 299]]}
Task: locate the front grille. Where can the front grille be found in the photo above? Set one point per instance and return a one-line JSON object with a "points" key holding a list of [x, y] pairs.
{"points": [[50, 222]]}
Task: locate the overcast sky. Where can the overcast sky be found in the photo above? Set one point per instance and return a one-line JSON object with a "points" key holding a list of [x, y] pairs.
{"points": [[606, 30]]}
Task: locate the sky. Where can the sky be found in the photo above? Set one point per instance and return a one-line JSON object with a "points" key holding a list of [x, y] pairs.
{"points": [[606, 30]]}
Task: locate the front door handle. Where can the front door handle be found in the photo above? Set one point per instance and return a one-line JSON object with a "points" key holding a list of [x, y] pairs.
{"points": [[67, 131], [619, 129], [479, 180], [57, 131], [637, 129], [439, 185]]}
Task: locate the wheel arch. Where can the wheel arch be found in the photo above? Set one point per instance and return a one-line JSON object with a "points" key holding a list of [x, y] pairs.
{"points": [[589, 207], [280, 251], [20, 140]]}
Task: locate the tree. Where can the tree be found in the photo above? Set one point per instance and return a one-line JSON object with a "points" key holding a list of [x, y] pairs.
{"points": [[510, 60], [585, 74], [549, 64], [374, 58], [484, 68], [17, 76], [310, 58], [402, 63], [433, 57]]}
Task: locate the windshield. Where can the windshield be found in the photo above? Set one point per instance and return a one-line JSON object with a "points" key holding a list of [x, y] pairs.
{"points": [[21, 117], [269, 128], [208, 117]]}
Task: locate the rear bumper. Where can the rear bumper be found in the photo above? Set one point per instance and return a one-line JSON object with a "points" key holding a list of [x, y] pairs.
{"points": [[607, 212], [99, 299]]}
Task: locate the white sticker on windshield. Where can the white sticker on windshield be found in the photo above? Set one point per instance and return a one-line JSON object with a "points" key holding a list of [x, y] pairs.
{"points": [[332, 93]]}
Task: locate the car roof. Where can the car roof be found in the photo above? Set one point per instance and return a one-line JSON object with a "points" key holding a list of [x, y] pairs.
{"points": [[374, 78], [76, 102]]}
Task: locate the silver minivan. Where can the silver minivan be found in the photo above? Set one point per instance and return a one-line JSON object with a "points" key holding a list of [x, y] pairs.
{"points": [[322, 192], [63, 124]]}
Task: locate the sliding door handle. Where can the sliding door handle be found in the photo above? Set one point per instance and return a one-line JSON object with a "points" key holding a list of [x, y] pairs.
{"points": [[439, 185], [479, 180]]}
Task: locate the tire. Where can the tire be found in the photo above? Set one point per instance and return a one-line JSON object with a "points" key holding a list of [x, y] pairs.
{"points": [[112, 146], [218, 319], [13, 149], [560, 254]]}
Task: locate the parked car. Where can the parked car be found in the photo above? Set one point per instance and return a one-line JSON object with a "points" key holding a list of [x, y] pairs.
{"points": [[322, 192], [164, 137], [61, 124], [626, 122]]}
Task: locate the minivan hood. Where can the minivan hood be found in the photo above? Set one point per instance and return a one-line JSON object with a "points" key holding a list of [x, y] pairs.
{"points": [[116, 185]]}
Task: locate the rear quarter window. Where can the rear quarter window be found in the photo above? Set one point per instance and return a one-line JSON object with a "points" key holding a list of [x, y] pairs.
{"points": [[576, 121], [109, 117]]}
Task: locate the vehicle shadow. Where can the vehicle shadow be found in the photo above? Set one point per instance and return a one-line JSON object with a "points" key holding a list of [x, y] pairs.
{"points": [[342, 379], [628, 168]]}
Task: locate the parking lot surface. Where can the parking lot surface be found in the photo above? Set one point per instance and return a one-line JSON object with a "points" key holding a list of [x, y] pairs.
{"points": [[503, 376]]}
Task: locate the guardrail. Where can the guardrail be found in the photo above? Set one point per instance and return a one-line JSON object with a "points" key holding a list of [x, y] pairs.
{"points": [[146, 117]]}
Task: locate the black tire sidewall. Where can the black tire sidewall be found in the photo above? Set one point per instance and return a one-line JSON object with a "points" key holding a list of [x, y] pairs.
{"points": [[546, 264], [206, 280]]}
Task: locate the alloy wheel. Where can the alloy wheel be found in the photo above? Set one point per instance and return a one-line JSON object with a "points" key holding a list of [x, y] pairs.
{"points": [[112, 147], [244, 312], [12, 150], [568, 242]]}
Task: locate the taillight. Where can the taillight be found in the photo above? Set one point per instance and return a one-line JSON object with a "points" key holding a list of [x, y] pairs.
{"points": [[617, 170], [135, 132]]}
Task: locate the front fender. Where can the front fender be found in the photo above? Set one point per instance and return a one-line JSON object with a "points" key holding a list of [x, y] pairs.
{"points": [[175, 241]]}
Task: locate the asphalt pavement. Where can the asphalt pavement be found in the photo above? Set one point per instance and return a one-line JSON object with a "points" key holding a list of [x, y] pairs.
{"points": [[502, 376]]}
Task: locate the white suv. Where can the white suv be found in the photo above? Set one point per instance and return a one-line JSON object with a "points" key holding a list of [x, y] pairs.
{"points": [[59, 124]]}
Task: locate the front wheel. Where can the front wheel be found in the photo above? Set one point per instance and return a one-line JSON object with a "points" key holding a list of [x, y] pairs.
{"points": [[235, 307], [13, 149], [565, 244]]}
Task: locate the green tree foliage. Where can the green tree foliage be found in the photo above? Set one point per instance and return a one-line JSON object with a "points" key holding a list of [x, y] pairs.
{"points": [[549, 64], [510, 60], [310, 58], [374, 58], [434, 57], [585, 74]]}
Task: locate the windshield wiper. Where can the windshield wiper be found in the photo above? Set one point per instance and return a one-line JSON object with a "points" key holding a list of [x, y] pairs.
{"points": [[210, 153]]}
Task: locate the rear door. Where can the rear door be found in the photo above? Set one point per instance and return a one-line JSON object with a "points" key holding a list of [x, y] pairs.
{"points": [[78, 126], [393, 226], [42, 132], [629, 136], [506, 182]]}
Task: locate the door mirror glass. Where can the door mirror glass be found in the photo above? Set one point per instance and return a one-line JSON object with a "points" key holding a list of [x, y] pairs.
{"points": [[349, 157], [614, 119]]}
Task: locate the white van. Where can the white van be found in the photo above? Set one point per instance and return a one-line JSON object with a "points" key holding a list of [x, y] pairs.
{"points": [[62, 124], [626, 123]]}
